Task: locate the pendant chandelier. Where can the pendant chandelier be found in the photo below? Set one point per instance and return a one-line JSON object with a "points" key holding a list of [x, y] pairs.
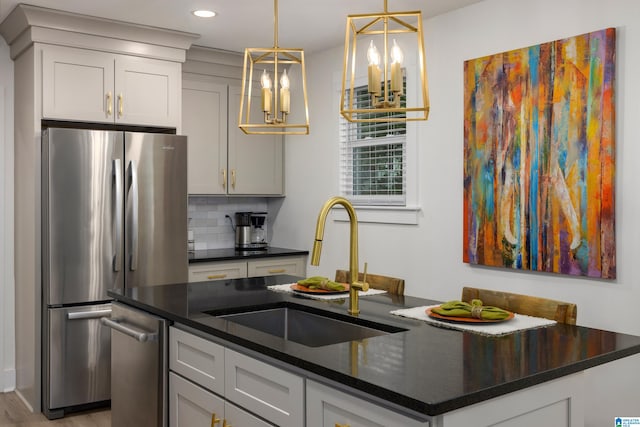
{"points": [[277, 107], [385, 76]]}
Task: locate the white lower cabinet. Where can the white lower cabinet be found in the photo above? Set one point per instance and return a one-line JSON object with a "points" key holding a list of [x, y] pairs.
{"points": [[294, 266], [270, 392], [209, 382], [328, 407], [219, 270], [268, 266], [193, 406]]}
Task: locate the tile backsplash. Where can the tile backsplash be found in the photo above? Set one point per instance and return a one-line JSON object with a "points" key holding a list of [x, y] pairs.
{"points": [[208, 226]]}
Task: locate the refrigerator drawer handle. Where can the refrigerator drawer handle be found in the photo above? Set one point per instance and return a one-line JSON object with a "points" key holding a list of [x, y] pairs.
{"points": [[133, 333], [95, 314]]}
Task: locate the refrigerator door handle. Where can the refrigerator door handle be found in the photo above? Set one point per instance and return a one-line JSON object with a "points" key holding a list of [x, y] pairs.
{"points": [[133, 174], [95, 314], [129, 331], [117, 255]]}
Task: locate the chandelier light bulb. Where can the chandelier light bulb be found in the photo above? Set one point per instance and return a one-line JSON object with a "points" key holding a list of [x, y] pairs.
{"points": [[373, 71], [265, 80], [285, 96], [373, 56], [284, 80], [396, 53]]}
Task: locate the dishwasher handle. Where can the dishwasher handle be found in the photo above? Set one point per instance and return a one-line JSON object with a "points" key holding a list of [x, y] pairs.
{"points": [[141, 336]]}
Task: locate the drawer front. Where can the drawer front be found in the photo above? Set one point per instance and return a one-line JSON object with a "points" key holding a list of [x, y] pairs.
{"points": [[238, 417], [328, 407], [197, 359], [193, 406], [272, 393], [217, 271], [294, 266]]}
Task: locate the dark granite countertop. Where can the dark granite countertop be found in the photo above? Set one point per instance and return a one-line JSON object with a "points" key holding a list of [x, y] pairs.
{"points": [[227, 254], [427, 369]]}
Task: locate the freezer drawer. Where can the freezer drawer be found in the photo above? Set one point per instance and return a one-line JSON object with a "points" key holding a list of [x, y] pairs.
{"points": [[139, 368], [78, 366]]}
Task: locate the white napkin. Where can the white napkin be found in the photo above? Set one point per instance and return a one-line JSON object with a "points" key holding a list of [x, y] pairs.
{"points": [[287, 288], [518, 323]]}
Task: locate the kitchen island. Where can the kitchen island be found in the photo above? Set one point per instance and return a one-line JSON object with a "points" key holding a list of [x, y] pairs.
{"points": [[435, 376]]}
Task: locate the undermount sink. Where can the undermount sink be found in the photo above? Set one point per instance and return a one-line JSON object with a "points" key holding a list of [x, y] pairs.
{"points": [[298, 324]]}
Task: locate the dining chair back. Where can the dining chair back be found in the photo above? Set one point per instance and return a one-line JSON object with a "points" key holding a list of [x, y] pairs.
{"points": [[561, 312], [393, 285]]}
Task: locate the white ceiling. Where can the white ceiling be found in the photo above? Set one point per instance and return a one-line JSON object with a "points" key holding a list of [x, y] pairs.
{"points": [[310, 25]]}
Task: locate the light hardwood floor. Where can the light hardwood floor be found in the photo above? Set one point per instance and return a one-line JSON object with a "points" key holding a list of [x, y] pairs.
{"points": [[13, 412]]}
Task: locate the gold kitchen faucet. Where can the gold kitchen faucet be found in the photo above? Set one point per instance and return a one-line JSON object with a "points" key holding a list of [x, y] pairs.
{"points": [[354, 284]]}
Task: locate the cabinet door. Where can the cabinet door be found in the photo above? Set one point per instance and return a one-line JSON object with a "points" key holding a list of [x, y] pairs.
{"points": [[201, 272], [147, 91], [294, 266], [328, 407], [197, 359], [272, 393], [204, 121], [255, 161], [193, 406], [77, 84]]}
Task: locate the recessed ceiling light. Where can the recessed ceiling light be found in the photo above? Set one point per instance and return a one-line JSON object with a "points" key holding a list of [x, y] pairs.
{"points": [[204, 13]]}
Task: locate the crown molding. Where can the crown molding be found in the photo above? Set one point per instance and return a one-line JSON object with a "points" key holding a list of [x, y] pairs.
{"points": [[27, 24]]}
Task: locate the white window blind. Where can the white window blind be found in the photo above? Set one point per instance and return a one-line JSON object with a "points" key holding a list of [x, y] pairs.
{"points": [[373, 160]]}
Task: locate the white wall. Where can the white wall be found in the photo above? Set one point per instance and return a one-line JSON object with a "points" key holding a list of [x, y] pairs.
{"points": [[7, 345], [429, 256]]}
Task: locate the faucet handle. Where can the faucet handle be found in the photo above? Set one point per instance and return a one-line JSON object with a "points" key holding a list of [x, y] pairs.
{"points": [[362, 284]]}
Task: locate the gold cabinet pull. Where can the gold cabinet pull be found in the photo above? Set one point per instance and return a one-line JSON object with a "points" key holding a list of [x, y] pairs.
{"points": [[342, 425], [214, 420], [109, 104], [277, 270], [217, 276], [120, 105], [233, 179], [224, 178], [224, 424]]}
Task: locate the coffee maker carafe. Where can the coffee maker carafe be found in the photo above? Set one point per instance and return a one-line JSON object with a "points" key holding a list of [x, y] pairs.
{"points": [[243, 230], [258, 230]]}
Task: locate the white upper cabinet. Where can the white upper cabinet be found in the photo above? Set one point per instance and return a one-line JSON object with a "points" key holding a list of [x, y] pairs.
{"points": [[204, 121], [88, 85], [75, 84], [255, 161], [222, 159]]}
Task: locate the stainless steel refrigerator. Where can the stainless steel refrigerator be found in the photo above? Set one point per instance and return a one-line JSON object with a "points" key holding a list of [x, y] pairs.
{"points": [[114, 216]]}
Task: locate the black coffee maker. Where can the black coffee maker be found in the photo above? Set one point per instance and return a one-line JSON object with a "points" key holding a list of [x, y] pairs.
{"points": [[251, 231]]}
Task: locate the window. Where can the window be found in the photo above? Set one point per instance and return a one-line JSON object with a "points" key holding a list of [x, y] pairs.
{"points": [[373, 160]]}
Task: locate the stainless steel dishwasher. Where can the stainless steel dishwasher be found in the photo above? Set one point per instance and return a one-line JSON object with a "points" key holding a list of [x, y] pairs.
{"points": [[138, 367]]}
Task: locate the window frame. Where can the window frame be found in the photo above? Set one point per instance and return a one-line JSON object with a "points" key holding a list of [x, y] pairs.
{"points": [[410, 212]]}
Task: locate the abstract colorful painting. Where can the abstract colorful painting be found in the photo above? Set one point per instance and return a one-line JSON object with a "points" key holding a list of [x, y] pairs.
{"points": [[539, 157]]}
